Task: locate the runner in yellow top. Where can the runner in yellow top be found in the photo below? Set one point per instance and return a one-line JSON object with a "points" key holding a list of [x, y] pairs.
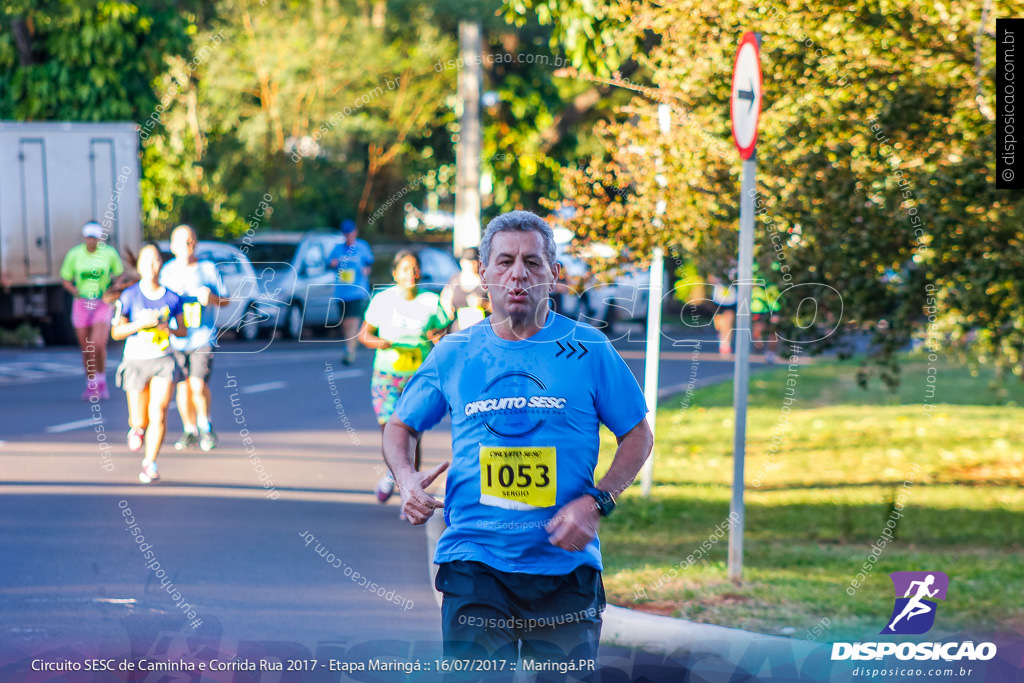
{"points": [[88, 270]]}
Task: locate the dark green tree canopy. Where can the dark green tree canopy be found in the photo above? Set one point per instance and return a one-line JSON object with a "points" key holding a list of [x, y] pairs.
{"points": [[875, 175]]}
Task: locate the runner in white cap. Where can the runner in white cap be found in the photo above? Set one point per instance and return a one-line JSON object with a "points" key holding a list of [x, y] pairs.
{"points": [[88, 270], [202, 290]]}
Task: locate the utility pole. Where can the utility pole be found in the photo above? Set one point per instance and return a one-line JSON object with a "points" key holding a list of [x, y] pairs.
{"points": [[467, 150], [652, 357]]}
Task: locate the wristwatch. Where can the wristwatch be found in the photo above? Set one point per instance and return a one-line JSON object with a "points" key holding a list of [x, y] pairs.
{"points": [[605, 500]]}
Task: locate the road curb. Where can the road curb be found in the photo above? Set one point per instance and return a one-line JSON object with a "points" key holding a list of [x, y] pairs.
{"points": [[680, 638]]}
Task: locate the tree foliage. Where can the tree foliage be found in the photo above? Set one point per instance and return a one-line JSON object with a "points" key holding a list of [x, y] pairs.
{"points": [[75, 60], [321, 105], [874, 161], [596, 36], [332, 108]]}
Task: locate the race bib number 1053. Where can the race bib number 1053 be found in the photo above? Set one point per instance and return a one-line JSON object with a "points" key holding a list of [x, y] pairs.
{"points": [[518, 478]]}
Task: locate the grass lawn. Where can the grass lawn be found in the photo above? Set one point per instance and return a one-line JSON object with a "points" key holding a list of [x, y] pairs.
{"points": [[816, 504]]}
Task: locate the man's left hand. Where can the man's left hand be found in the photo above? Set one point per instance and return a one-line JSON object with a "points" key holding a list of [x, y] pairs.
{"points": [[575, 525]]}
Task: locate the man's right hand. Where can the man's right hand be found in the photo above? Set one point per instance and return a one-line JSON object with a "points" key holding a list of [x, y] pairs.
{"points": [[417, 504]]}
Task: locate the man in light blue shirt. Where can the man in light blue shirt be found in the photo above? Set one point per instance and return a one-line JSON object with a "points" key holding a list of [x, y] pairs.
{"points": [[352, 260], [526, 390], [201, 289]]}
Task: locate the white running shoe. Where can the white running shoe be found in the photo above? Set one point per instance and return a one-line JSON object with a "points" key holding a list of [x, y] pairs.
{"points": [[136, 439], [149, 473]]}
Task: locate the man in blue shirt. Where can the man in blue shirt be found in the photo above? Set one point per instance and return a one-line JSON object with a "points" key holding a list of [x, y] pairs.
{"points": [[526, 390], [352, 260]]}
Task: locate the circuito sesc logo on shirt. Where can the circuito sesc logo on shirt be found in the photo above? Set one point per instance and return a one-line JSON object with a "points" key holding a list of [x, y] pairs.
{"points": [[514, 404]]}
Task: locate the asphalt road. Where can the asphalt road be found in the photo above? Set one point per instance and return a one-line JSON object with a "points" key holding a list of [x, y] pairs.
{"points": [[291, 555]]}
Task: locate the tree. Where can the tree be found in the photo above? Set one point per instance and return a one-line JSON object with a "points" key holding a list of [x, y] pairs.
{"points": [[87, 61], [874, 168], [317, 104], [597, 37], [334, 109], [538, 117]]}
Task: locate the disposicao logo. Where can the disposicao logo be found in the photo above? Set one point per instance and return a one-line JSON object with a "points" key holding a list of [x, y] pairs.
{"points": [[913, 614], [916, 592]]}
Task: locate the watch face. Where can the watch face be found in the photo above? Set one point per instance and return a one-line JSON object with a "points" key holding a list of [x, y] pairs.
{"points": [[605, 502], [607, 505]]}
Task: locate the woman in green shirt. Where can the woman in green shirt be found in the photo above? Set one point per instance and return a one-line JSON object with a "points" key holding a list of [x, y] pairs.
{"points": [[88, 271], [402, 324]]}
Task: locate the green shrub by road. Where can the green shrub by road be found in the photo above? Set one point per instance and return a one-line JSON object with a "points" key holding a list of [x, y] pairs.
{"points": [[845, 461]]}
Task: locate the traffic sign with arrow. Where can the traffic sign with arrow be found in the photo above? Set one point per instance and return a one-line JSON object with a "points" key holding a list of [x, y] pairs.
{"points": [[748, 95], [745, 105], [745, 109]]}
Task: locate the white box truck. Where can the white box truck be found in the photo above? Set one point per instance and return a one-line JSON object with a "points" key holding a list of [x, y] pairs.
{"points": [[54, 178]]}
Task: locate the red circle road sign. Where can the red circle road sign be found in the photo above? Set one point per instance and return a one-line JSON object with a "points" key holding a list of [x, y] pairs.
{"points": [[745, 105]]}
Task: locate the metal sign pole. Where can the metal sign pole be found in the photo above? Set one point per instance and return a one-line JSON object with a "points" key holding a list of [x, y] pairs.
{"points": [[741, 373], [745, 109]]}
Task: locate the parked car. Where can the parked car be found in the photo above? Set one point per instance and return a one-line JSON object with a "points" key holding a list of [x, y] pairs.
{"points": [[619, 295], [573, 280], [294, 285], [623, 299], [437, 266], [237, 273]]}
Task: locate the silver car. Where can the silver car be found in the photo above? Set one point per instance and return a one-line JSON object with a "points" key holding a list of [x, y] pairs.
{"points": [[618, 296], [293, 288], [437, 266]]}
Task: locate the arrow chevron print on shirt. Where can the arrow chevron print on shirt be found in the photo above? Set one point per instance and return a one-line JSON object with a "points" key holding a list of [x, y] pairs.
{"points": [[571, 349]]}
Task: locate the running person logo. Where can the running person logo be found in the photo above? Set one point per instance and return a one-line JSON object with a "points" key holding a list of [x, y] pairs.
{"points": [[914, 614], [916, 593]]}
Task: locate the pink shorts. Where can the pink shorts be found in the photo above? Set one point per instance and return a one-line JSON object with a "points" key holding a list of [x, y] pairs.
{"points": [[91, 312]]}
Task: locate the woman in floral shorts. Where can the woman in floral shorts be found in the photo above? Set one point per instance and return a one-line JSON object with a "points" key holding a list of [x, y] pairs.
{"points": [[401, 323]]}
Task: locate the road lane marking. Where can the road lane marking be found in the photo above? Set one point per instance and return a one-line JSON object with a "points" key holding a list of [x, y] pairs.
{"points": [[26, 372], [266, 386], [343, 374], [82, 424], [71, 426]]}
